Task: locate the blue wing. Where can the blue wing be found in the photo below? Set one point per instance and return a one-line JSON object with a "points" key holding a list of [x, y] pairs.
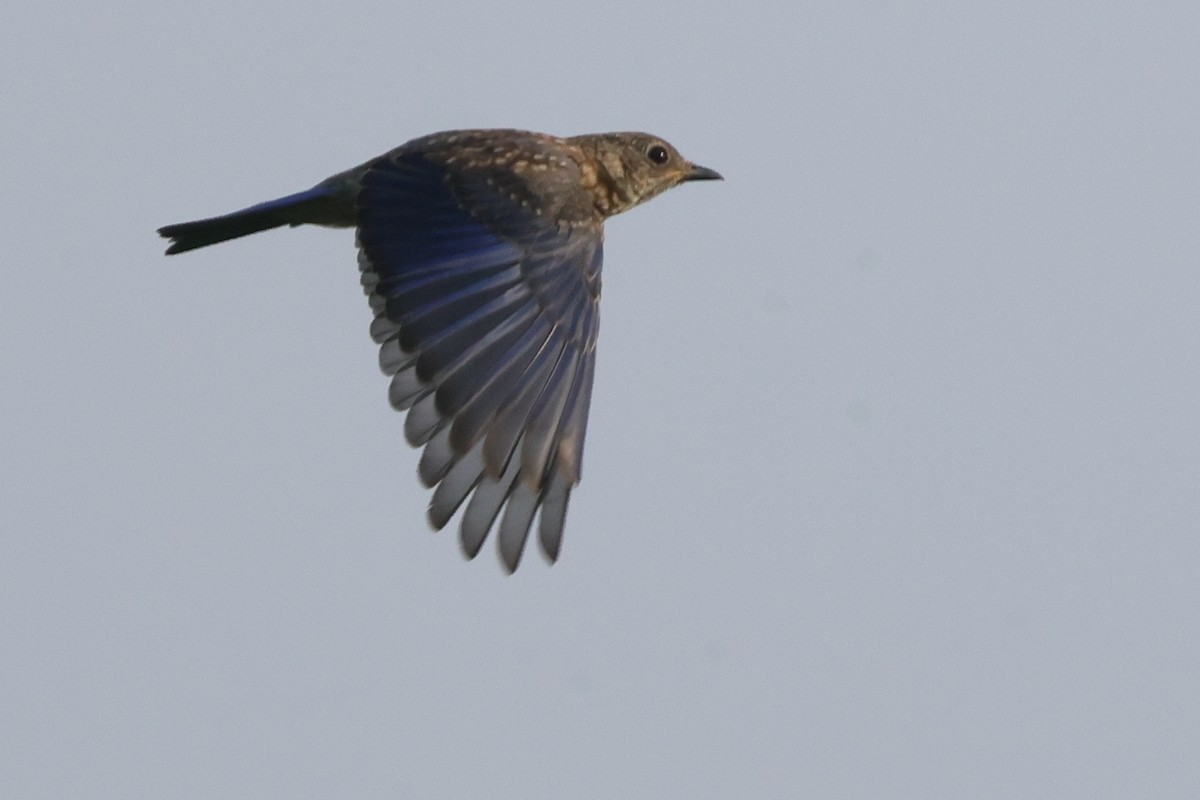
{"points": [[488, 330]]}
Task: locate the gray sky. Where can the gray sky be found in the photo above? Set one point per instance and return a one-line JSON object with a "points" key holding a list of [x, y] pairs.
{"points": [[891, 487]]}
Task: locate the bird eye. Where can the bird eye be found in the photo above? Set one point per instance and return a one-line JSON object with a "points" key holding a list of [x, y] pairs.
{"points": [[658, 154]]}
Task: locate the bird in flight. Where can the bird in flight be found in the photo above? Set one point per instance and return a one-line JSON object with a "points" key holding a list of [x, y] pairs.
{"points": [[480, 254]]}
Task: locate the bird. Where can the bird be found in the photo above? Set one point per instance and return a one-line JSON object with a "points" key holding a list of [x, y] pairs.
{"points": [[480, 253]]}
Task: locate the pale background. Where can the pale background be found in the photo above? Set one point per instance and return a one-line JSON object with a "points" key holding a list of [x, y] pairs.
{"points": [[893, 477]]}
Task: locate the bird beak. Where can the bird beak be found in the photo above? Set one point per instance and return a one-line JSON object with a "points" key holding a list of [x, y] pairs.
{"points": [[698, 173]]}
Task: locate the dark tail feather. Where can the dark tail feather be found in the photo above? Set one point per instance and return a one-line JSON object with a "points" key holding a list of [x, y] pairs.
{"points": [[288, 210]]}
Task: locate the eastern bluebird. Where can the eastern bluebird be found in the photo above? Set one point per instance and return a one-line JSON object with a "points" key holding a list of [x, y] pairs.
{"points": [[480, 253]]}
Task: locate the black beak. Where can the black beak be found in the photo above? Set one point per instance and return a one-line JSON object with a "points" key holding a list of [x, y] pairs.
{"points": [[698, 173]]}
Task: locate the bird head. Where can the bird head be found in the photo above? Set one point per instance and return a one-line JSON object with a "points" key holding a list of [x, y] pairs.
{"points": [[631, 168]]}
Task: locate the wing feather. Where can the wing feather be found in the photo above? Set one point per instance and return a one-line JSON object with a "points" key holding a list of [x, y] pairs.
{"points": [[486, 320]]}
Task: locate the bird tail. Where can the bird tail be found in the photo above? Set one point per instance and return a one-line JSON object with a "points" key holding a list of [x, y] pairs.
{"points": [[295, 209]]}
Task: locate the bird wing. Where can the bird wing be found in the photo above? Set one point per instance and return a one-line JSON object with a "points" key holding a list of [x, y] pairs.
{"points": [[488, 329]]}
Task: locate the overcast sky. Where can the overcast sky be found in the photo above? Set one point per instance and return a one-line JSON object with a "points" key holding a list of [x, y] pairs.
{"points": [[892, 487]]}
